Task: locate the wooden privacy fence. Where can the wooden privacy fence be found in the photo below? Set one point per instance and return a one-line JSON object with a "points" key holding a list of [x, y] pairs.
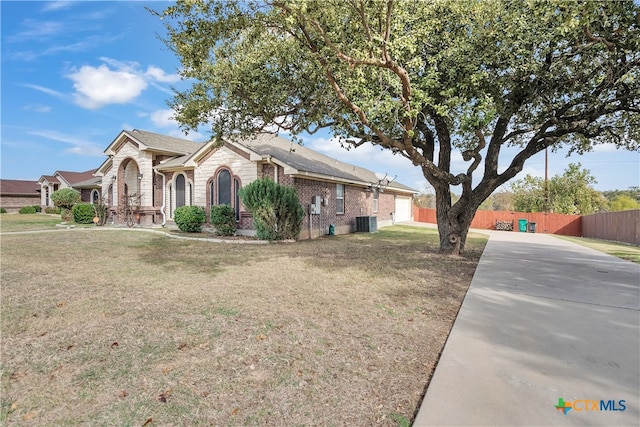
{"points": [[621, 226], [567, 225]]}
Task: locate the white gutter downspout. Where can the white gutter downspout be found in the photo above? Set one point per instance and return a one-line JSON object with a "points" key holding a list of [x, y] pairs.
{"points": [[164, 198]]}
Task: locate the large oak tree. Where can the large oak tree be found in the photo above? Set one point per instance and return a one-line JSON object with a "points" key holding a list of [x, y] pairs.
{"points": [[420, 78]]}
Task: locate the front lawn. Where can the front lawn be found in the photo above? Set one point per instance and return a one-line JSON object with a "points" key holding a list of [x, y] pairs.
{"points": [[104, 327], [28, 222]]}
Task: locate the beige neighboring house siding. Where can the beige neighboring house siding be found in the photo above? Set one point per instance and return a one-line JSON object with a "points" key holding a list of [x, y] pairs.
{"points": [[240, 167], [143, 159]]}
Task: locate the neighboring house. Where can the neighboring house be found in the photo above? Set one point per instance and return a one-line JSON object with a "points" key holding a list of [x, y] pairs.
{"points": [[15, 194], [85, 182], [166, 173]]}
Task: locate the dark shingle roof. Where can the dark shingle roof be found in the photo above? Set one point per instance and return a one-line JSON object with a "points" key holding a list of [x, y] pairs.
{"points": [[306, 160], [18, 186], [93, 182], [75, 177]]}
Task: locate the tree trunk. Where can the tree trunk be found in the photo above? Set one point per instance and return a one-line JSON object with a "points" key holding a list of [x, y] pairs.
{"points": [[452, 227]]}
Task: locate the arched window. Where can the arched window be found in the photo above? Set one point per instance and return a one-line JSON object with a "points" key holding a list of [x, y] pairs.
{"points": [[180, 196], [224, 187], [95, 197]]}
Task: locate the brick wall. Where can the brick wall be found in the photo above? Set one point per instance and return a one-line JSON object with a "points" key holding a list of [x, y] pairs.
{"points": [[14, 203], [357, 202]]}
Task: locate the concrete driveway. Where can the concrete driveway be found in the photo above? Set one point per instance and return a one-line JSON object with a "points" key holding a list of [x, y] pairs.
{"points": [[543, 320]]}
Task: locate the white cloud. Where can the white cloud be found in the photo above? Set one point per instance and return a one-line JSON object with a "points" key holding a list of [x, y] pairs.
{"points": [[79, 146], [56, 5], [113, 82], [159, 75], [37, 30], [46, 90], [38, 108], [99, 86], [163, 118]]}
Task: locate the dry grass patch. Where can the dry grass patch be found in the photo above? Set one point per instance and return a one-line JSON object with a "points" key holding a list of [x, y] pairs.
{"points": [[118, 328], [618, 249]]}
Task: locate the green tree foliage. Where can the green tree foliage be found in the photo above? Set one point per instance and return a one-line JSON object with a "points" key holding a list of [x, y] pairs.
{"points": [[83, 213], [65, 199], [631, 192], [420, 78], [276, 209], [223, 219], [623, 203], [569, 193], [189, 218]]}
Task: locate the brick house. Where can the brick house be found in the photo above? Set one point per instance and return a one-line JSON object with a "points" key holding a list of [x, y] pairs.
{"points": [[166, 173], [85, 182], [16, 193]]}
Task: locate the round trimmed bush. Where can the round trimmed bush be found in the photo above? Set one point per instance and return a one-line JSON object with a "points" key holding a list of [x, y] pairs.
{"points": [[189, 218], [83, 213]]}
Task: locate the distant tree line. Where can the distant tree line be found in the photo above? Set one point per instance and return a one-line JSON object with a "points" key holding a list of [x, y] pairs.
{"points": [[569, 193]]}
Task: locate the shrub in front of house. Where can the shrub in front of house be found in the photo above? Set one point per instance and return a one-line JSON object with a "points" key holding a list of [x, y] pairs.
{"points": [[3, 210], [223, 219], [51, 210], [83, 213], [189, 218], [65, 199], [276, 209], [27, 210]]}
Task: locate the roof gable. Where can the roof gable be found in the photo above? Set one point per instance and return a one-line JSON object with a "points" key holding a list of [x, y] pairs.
{"points": [[75, 177], [154, 142]]}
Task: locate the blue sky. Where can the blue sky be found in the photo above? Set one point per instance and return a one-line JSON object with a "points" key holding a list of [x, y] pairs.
{"points": [[75, 74]]}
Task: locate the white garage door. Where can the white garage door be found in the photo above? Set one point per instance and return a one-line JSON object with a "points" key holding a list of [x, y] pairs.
{"points": [[403, 209]]}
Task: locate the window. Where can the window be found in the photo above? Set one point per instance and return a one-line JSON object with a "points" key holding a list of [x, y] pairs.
{"points": [[180, 199], [211, 194], [224, 187], [376, 195], [95, 197], [236, 189], [339, 198]]}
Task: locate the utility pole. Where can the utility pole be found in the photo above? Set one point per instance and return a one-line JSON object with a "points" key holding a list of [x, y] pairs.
{"points": [[546, 179]]}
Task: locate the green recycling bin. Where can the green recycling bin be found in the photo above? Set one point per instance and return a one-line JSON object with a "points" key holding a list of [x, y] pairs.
{"points": [[522, 225], [332, 229]]}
